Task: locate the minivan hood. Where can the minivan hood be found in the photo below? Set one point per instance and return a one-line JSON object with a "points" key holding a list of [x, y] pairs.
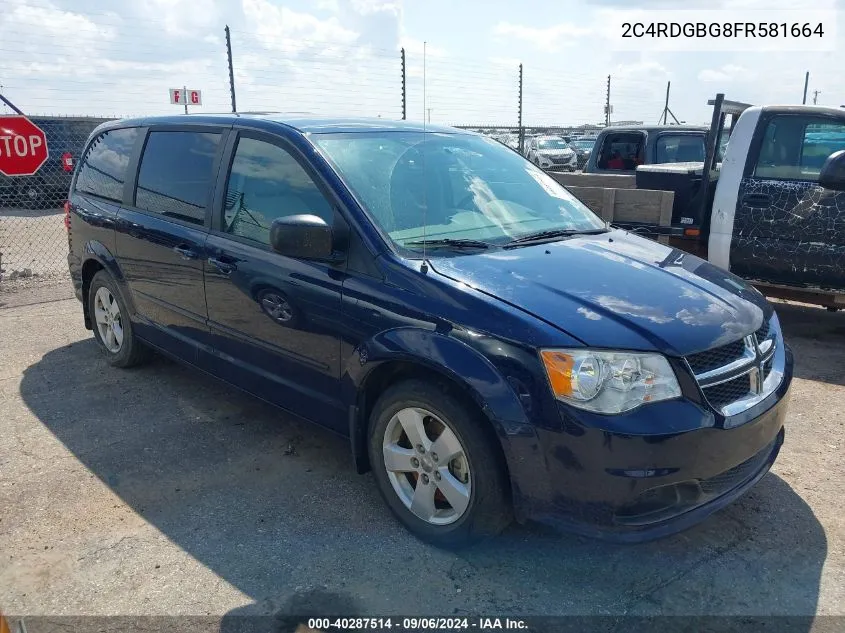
{"points": [[617, 290]]}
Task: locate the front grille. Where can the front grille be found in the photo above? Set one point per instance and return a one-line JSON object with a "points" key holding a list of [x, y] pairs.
{"points": [[716, 357], [717, 371], [725, 393], [767, 367]]}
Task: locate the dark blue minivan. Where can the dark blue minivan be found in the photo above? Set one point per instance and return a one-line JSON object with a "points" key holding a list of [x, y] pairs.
{"points": [[489, 346]]}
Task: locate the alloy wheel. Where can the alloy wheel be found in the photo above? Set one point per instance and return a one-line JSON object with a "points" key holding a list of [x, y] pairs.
{"points": [[109, 320], [277, 307], [427, 466]]}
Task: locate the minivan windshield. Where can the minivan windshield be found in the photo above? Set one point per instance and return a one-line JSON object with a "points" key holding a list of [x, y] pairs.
{"points": [[440, 186]]}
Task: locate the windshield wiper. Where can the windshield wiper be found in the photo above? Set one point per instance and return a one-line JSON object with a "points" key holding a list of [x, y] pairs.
{"points": [[552, 234], [449, 243]]}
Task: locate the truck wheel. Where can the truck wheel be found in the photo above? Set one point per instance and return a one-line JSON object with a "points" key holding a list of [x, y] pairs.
{"points": [[112, 327], [436, 465]]}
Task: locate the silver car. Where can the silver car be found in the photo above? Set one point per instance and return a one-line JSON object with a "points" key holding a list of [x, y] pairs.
{"points": [[551, 152]]}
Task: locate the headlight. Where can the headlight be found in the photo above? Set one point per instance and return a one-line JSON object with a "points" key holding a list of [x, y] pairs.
{"points": [[609, 382]]}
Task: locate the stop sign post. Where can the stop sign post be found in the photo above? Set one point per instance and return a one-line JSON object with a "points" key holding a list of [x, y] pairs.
{"points": [[23, 146]]}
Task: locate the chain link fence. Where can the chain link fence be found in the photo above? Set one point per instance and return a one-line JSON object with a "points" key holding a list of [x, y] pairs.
{"points": [[69, 85], [32, 238]]}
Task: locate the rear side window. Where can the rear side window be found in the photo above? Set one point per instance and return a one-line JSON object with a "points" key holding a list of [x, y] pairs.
{"points": [[103, 170], [622, 151], [176, 175], [268, 183], [679, 148], [796, 147]]}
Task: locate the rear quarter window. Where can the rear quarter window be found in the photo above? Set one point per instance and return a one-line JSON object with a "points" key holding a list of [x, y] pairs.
{"points": [[104, 166]]}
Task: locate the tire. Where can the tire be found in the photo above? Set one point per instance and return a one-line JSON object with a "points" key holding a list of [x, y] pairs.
{"points": [[121, 348], [485, 508]]}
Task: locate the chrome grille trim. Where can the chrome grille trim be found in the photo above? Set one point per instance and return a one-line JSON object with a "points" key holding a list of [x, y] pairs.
{"points": [[761, 364], [712, 377]]}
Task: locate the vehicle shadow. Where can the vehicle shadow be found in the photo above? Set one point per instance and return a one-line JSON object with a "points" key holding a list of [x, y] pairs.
{"points": [[273, 506], [817, 338]]}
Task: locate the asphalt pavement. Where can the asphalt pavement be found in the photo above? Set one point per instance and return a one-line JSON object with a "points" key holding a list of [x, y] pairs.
{"points": [[158, 490]]}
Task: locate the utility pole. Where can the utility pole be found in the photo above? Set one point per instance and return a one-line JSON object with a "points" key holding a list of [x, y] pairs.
{"points": [[429, 114], [815, 96], [607, 105], [806, 83], [404, 96], [520, 131], [231, 69]]}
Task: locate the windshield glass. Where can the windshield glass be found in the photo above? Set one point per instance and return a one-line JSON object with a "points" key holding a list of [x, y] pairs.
{"points": [[459, 186], [583, 144], [552, 143]]}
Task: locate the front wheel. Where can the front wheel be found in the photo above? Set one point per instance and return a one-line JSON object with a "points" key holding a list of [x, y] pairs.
{"points": [[437, 465]]}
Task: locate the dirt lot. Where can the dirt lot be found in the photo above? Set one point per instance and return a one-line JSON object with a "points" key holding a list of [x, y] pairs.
{"points": [[161, 491]]}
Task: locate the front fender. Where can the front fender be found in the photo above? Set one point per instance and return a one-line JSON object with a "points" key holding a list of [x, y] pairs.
{"points": [[444, 355], [465, 367]]}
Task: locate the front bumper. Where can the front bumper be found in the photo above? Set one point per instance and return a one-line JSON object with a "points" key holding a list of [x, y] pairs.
{"points": [[605, 478], [556, 164]]}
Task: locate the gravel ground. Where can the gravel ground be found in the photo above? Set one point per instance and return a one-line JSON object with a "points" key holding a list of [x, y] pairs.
{"points": [[160, 491]]}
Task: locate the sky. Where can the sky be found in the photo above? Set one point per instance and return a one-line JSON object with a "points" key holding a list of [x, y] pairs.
{"points": [[341, 57]]}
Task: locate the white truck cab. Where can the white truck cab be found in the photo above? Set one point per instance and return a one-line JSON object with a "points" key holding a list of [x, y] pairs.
{"points": [[778, 212]]}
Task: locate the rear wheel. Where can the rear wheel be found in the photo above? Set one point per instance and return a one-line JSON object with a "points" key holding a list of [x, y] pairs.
{"points": [[112, 327], [437, 466]]}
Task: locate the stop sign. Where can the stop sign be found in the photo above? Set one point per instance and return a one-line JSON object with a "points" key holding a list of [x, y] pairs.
{"points": [[23, 146]]}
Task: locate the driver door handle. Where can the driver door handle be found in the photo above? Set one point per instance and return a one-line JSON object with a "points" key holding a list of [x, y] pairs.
{"points": [[225, 268]]}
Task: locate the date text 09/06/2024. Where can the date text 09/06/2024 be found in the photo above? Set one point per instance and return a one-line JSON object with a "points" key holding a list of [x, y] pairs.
{"points": [[416, 624]]}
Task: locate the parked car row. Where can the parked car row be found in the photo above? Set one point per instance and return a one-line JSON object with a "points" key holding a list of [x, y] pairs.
{"points": [[491, 348]]}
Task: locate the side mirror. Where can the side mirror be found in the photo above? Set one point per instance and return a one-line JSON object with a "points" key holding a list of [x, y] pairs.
{"points": [[832, 175], [302, 236]]}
